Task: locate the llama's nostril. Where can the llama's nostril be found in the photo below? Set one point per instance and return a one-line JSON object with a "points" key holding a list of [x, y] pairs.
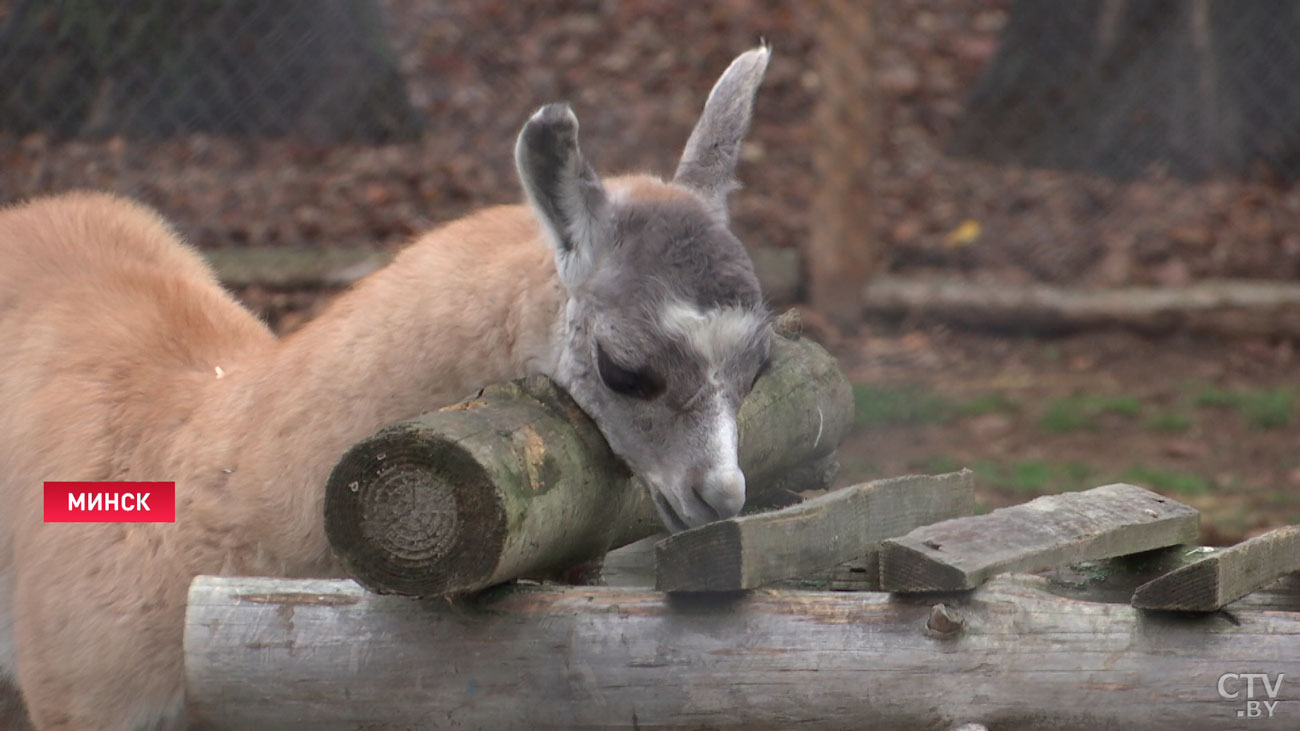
{"points": [[724, 493]]}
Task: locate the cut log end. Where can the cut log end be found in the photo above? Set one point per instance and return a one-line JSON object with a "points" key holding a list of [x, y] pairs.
{"points": [[407, 522]]}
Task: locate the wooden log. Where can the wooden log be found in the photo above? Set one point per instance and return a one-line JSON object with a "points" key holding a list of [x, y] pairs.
{"points": [[1224, 307], [289, 267], [1049, 531], [519, 482], [779, 271], [1224, 576], [265, 653], [754, 550]]}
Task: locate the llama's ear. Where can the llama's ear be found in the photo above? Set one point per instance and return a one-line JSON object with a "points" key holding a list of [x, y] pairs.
{"points": [[708, 164], [564, 191]]}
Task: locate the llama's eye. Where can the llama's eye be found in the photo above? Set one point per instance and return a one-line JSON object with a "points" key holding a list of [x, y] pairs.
{"points": [[638, 384]]}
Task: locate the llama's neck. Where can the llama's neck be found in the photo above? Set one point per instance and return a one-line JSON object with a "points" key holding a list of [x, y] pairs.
{"points": [[462, 308]]}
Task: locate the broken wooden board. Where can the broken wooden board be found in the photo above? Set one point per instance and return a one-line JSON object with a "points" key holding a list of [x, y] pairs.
{"points": [[846, 524], [1225, 575], [1051, 531]]}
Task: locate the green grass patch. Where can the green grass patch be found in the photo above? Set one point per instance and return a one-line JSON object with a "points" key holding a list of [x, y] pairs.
{"points": [[857, 469], [1033, 477], [1169, 422], [940, 464], [1078, 413], [1262, 408], [1182, 483], [995, 402], [877, 405], [1214, 397]]}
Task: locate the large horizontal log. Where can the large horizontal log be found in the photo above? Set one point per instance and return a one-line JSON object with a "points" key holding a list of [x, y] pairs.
{"points": [[519, 482], [1014, 654], [1227, 308]]}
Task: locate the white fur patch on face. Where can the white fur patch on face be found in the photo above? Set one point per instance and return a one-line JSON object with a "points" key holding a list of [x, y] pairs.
{"points": [[714, 334]]}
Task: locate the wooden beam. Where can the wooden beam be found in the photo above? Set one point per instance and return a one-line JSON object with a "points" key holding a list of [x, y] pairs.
{"points": [[754, 550], [1049, 531], [1224, 576], [519, 482], [1217, 307], [266, 653], [286, 267]]}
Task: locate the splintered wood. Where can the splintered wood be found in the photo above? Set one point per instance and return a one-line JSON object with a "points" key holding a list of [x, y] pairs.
{"points": [[1051, 531], [1224, 576], [847, 524]]}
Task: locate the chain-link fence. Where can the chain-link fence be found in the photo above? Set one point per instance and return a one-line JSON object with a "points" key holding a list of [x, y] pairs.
{"points": [[152, 68], [1101, 142]]}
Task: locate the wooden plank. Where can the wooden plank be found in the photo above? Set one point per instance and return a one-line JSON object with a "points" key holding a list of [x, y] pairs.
{"points": [[1224, 576], [1112, 520], [842, 525], [288, 655]]}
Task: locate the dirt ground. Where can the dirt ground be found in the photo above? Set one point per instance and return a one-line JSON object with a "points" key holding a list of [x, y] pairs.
{"points": [[1210, 423]]}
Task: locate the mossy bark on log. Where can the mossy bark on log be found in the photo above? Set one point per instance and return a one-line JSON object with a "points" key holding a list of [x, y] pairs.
{"points": [[1013, 654], [519, 482]]}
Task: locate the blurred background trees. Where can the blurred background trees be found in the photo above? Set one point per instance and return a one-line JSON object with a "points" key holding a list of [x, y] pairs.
{"points": [[148, 68]]}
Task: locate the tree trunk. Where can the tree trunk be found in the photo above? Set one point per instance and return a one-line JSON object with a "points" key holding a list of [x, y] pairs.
{"points": [[1126, 87], [841, 251], [519, 482], [1018, 653], [319, 69]]}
